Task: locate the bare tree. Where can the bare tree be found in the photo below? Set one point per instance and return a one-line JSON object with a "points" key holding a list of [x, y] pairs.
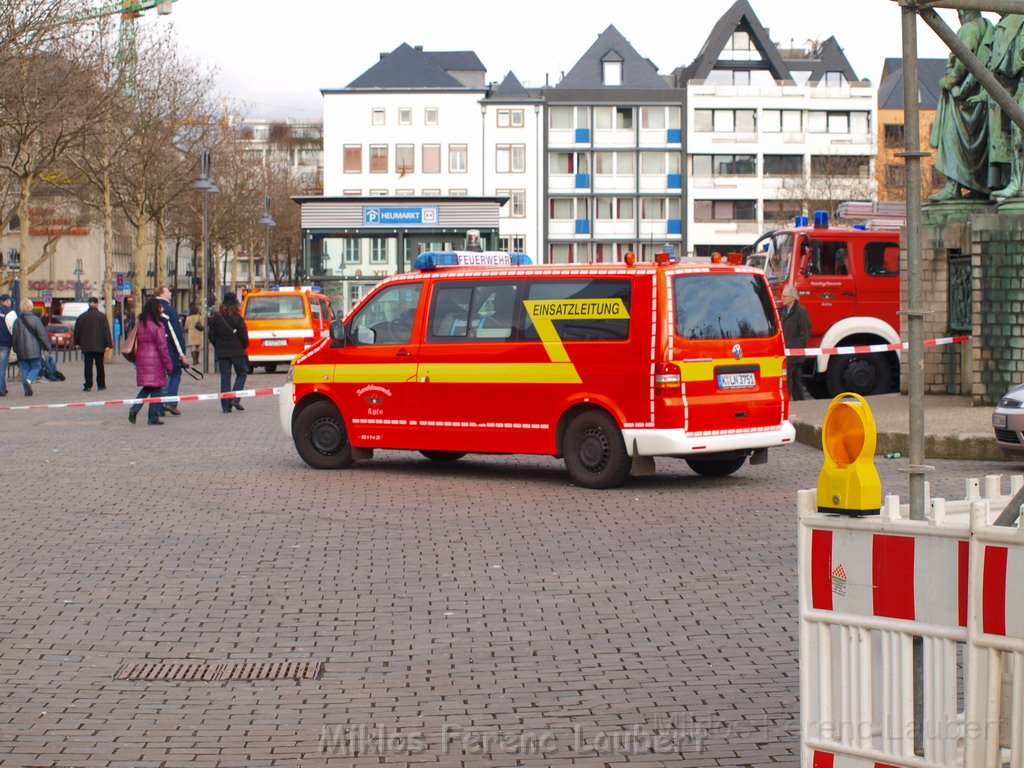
{"points": [[831, 180]]}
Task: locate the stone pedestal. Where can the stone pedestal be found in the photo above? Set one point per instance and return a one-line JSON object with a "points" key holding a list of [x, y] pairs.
{"points": [[992, 243]]}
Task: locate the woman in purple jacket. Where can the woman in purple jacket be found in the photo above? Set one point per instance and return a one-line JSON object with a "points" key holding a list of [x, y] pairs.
{"points": [[152, 361]]}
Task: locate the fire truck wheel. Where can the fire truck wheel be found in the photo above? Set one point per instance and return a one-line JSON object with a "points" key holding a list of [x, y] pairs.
{"points": [[320, 437], [270, 367], [595, 454], [716, 467], [444, 455], [862, 374]]}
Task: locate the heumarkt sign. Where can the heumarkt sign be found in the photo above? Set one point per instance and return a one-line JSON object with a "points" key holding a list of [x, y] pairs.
{"points": [[399, 216]]}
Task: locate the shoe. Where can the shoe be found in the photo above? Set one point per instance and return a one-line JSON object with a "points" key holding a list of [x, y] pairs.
{"points": [[28, 390], [100, 388], [237, 406], [172, 409], [227, 410], [3, 394], [87, 389], [156, 423], [132, 416]]}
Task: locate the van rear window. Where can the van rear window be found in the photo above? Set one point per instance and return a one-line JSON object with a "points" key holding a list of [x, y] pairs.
{"points": [[275, 308], [728, 305]]}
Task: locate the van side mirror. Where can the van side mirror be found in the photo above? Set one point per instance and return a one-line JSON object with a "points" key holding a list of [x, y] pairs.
{"points": [[338, 335]]}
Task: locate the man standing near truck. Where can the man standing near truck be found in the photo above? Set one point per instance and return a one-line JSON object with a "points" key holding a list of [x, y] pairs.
{"points": [[796, 330]]}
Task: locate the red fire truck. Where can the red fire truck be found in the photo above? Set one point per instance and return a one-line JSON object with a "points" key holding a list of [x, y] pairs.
{"points": [[849, 282]]}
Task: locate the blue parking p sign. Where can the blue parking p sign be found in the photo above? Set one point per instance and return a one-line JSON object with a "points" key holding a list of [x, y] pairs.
{"points": [[399, 216]]}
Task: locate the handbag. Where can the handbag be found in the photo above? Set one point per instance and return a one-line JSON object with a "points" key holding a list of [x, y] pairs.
{"points": [[131, 344]]}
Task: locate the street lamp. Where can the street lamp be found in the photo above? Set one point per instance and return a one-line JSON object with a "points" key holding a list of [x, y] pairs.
{"points": [[206, 185], [267, 223]]}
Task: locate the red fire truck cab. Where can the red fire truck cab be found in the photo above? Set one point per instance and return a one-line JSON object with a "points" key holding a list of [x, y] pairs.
{"points": [[849, 282]]}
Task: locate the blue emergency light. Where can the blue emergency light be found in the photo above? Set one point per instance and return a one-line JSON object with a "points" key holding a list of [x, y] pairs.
{"points": [[821, 219], [800, 221], [430, 260]]}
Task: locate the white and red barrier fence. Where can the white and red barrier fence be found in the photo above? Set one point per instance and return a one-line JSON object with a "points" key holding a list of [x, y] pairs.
{"points": [[870, 589], [261, 392], [864, 349]]}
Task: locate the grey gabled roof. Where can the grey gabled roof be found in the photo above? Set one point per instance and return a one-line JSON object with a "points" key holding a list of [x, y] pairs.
{"points": [[739, 16], [831, 59], [929, 72], [462, 61], [637, 72], [406, 67], [510, 87]]}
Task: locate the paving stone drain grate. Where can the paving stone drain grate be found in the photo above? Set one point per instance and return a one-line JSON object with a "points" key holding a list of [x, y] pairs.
{"points": [[202, 672]]}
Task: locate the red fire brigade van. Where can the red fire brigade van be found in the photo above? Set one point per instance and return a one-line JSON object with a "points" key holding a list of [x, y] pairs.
{"points": [[283, 324], [604, 365], [849, 282]]}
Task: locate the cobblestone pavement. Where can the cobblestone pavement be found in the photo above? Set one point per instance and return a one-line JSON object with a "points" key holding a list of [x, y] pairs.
{"points": [[483, 613]]}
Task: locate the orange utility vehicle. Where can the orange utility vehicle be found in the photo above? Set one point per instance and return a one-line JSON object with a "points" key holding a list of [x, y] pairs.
{"points": [[604, 365], [849, 282], [284, 323]]}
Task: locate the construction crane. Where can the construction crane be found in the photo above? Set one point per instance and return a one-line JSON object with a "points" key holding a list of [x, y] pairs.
{"points": [[130, 10]]}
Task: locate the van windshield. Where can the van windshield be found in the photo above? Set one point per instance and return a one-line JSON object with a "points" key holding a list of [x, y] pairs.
{"points": [[275, 308], [727, 305]]}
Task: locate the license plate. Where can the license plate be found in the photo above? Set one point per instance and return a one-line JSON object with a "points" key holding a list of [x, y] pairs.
{"points": [[275, 342], [736, 381], [999, 420]]}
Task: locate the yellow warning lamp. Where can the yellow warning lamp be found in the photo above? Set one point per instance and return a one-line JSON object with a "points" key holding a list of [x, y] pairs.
{"points": [[849, 483]]}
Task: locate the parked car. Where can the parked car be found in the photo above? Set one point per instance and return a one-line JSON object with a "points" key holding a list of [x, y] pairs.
{"points": [[60, 334], [1008, 422]]}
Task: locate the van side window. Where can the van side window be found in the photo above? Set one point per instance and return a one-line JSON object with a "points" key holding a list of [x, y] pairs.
{"points": [[314, 307], [833, 257], [582, 328], [882, 259], [388, 317], [469, 311]]}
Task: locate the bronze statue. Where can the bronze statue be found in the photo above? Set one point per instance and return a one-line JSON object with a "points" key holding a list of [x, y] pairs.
{"points": [[1003, 54], [959, 132]]}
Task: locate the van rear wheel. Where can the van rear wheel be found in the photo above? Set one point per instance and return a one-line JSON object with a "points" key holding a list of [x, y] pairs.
{"points": [[444, 455], [270, 367], [716, 467], [320, 437], [595, 454]]}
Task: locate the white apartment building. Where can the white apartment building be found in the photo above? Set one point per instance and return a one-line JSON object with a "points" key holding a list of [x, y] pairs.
{"points": [[771, 133]]}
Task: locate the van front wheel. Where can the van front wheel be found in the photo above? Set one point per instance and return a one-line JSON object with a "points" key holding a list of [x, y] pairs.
{"points": [[444, 455], [595, 455], [320, 437]]}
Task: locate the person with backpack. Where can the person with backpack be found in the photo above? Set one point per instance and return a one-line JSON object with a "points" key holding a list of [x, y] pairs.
{"points": [[5, 339], [29, 339], [230, 337]]}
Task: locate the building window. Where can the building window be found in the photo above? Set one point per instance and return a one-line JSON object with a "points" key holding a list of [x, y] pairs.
{"points": [[613, 208], [783, 165], [893, 135], [567, 208], [457, 193], [895, 175], [510, 118], [512, 243], [431, 158], [378, 250], [352, 192], [378, 158], [511, 158], [660, 208], [781, 120], [781, 210], [352, 254], [850, 166], [569, 162], [458, 160], [560, 253], [405, 159], [612, 72], [724, 210], [378, 193], [353, 158], [613, 118], [724, 120], [834, 79], [568, 117], [431, 192], [860, 122], [404, 116], [515, 206], [430, 116], [829, 122], [723, 165], [377, 116], [614, 163]]}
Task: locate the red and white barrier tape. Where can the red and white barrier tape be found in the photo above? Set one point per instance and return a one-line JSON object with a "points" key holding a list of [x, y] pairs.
{"points": [[263, 392], [866, 348]]}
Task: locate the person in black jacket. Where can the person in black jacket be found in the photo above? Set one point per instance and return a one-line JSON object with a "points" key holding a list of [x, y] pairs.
{"points": [[230, 337], [30, 340], [796, 330], [92, 336]]}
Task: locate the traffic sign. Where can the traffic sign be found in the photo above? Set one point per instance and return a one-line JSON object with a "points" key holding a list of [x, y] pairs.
{"points": [[120, 281], [118, 295], [126, 286]]}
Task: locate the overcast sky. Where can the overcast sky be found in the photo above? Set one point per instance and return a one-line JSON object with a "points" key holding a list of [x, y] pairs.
{"points": [[274, 56]]}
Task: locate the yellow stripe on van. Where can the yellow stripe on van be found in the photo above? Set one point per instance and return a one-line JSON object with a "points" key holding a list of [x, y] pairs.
{"points": [[375, 372], [705, 370], [500, 373], [544, 312]]}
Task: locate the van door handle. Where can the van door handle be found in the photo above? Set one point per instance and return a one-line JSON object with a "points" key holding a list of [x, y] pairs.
{"points": [[848, 293], [402, 353], [825, 296]]}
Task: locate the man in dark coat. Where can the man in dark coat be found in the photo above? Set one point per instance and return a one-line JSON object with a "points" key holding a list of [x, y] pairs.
{"points": [[92, 336], [796, 330], [5, 340]]}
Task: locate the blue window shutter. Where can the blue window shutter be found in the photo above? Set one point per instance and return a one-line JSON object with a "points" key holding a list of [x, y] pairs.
{"points": [[582, 135], [675, 226], [675, 181], [582, 226], [675, 136], [582, 181]]}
